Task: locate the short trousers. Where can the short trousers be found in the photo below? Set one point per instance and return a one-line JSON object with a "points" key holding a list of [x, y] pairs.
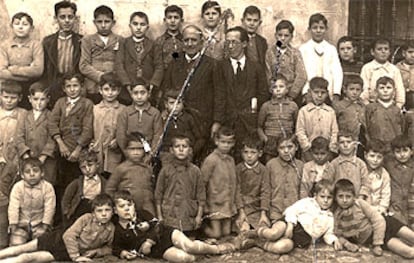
{"points": [[52, 242]]}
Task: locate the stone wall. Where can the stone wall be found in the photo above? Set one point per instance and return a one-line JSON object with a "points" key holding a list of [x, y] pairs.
{"points": [[298, 11]]}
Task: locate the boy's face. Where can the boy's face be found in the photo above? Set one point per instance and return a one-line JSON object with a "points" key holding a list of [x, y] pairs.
{"points": [[284, 36], [138, 26], [211, 17], [192, 41], [346, 145], [317, 31], [385, 92], [109, 94], [66, 19], [104, 24], [320, 156], [318, 95], [287, 150], [346, 51], [353, 91], [169, 105], [125, 209], [224, 143], [88, 168], [139, 95], [344, 199], [234, 45], [103, 213], [173, 21], [135, 151], [381, 52], [72, 88], [181, 149], [32, 174], [373, 159], [251, 23], [324, 199], [250, 155], [279, 89], [9, 100], [403, 154], [21, 27], [409, 55], [39, 101]]}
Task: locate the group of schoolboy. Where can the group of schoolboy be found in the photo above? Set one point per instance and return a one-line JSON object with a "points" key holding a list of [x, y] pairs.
{"points": [[336, 137]]}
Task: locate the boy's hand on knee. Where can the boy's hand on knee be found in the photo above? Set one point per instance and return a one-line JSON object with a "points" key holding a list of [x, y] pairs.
{"points": [[351, 246], [64, 150], [146, 247], [289, 231], [82, 259], [264, 220], [73, 157], [91, 253], [197, 222], [377, 251], [337, 245]]}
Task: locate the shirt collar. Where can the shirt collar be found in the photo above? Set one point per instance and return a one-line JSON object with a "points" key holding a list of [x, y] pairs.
{"points": [[378, 65], [146, 108], [349, 102], [385, 104], [275, 101], [312, 107], [222, 155], [93, 178], [72, 101], [138, 40], [25, 43], [37, 186], [63, 36], [255, 168], [191, 59], [168, 34], [103, 105], [242, 61], [344, 159]]}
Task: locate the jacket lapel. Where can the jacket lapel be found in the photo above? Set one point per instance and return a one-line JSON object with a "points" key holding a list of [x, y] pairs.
{"points": [[51, 50]]}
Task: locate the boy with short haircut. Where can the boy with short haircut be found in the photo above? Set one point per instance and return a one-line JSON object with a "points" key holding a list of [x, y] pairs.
{"points": [[378, 179], [383, 118], [276, 117], [406, 68], [32, 204], [170, 44], [219, 174], [182, 122], [62, 49], [257, 45], [98, 51], [33, 136], [70, 126], [139, 117], [89, 237], [134, 172], [137, 58], [401, 170], [180, 193], [307, 220], [378, 68], [282, 58], [80, 192], [313, 170], [350, 111], [348, 165], [358, 223], [347, 50], [105, 117], [285, 173], [316, 119], [252, 177], [21, 57], [321, 58]]}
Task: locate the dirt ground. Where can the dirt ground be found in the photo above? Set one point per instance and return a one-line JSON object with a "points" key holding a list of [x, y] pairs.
{"points": [[321, 254]]}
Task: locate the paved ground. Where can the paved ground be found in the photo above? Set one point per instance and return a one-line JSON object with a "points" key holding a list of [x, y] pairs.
{"points": [[321, 254]]}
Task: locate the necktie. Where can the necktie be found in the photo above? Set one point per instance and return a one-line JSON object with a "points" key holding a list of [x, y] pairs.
{"points": [[238, 71]]}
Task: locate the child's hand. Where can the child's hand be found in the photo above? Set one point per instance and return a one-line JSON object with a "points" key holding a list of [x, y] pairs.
{"points": [[73, 157], [82, 259], [13, 69], [289, 231], [145, 247], [42, 158], [127, 255], [377, 251], [241, 219], [113, 145], [64, 150], [337, 245], [264, 220], [41, 230], [91, 253], [198, 220]]}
